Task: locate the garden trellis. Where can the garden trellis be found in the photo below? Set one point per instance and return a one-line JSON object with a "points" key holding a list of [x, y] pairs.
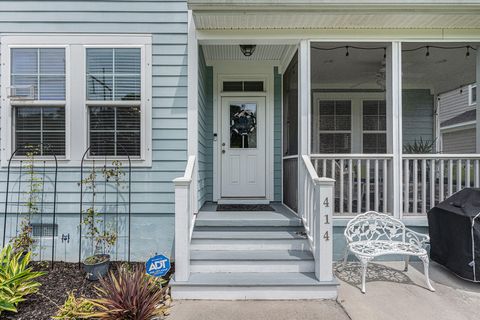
{"points": [[31, 200], [105, 189]]}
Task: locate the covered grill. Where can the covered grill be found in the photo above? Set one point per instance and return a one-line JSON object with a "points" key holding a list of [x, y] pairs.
{"points": [[454, 227]]}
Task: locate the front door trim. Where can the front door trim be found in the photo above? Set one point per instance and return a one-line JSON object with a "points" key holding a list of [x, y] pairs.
{"points": [[243, 71]]}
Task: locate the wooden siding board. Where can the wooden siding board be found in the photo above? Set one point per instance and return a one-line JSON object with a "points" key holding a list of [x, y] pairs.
{"points": [[166, 22], [461, 141], [205, 131], [418, 119]]}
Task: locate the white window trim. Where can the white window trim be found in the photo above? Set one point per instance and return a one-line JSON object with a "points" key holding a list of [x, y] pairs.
{"points": [[470, 95], [76, 132]]}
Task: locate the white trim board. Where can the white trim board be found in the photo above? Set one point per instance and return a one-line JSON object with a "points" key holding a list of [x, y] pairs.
{"points": [[244, 70]]}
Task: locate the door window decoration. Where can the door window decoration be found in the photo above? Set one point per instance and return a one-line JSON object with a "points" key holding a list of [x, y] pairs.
{"points": [[243, 125]]}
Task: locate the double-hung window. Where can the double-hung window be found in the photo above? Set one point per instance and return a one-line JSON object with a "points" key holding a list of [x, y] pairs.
{"points": [[38, 98], [114, 99], [334, 120]]}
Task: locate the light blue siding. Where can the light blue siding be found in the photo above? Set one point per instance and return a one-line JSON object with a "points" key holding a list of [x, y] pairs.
{"points": [[205, 131], [417, 114], [153, 193]]}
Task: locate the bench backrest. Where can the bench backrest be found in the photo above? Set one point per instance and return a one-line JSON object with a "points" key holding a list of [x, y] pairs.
{"points": [[372, 225]]}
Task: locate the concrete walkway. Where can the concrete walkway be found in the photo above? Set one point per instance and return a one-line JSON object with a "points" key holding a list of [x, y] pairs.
{"points": [[257, 310], [391, 294]]}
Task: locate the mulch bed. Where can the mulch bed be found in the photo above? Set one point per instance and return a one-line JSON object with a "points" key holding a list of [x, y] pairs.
{"points": [[56, 284]]}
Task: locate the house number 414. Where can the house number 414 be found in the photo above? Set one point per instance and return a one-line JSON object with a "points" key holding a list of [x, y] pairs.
{"points": [[326, 235]]}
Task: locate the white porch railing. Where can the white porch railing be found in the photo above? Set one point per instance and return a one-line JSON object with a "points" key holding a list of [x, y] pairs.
{"points": [[184, 220], [363, 181], [429, 179], [315, 204]]}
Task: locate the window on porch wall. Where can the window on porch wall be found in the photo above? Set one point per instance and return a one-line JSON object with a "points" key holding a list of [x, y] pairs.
{"points": [[440, 154], [349, 123]]}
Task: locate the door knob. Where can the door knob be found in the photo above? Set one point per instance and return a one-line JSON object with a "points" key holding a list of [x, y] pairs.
{"points": [[223, 151], [223, 144]]}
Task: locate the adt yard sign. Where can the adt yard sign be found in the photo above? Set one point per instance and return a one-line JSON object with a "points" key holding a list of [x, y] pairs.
{"points": [[158, 265]]}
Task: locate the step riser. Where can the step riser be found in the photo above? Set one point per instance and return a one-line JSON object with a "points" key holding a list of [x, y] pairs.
{"points": [[252, 266], [248, 223], [250, 245], [254, 293]]}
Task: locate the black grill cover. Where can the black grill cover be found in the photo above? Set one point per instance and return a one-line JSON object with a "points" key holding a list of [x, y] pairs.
{"points": [[454, 229]]}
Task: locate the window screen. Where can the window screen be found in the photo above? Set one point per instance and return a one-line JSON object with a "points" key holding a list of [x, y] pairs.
{"points": [[113, 74], [374, 126], [40, 68], [40, 127], [114, 131]]}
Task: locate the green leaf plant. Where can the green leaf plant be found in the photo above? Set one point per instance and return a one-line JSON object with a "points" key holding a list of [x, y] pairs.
{"points": [[103, 236], [75, 308], [16, 279], [24, 242]]}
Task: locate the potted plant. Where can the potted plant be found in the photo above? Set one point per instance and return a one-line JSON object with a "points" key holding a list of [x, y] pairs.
{"points": [[103, 239]]}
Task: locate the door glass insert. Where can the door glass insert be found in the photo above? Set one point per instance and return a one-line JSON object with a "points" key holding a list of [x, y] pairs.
{"points": [[243, 125]]}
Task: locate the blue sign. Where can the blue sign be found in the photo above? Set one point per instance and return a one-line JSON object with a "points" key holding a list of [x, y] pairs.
{"points": [[158, 265]]}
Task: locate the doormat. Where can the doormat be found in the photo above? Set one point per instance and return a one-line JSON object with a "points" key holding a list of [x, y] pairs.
{"points": [[244, 207]]}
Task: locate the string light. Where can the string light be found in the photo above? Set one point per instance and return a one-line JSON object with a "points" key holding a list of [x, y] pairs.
{"points": [[427, 53]]}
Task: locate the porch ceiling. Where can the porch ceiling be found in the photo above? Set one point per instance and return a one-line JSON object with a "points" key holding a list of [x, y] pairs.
{"points": [[346, 14], [274, 53]]}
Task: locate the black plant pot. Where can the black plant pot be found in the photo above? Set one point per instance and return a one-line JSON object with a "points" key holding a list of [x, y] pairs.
{"points": [[96, 270]]}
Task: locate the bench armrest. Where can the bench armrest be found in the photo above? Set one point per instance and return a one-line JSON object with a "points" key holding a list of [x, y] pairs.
{"points": [[419, 239]]}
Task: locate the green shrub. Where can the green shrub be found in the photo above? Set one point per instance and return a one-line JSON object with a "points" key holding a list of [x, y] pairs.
{"points": [[16, 279], [75, 309], [130, 295]]}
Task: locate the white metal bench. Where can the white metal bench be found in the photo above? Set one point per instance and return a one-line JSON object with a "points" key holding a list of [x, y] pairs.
{"points": [[374, 234]]}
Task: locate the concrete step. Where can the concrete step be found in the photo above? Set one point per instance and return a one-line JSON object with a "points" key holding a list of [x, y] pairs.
{"points": [[252, 234], [235, 286], [249, 244], [260, 261]]}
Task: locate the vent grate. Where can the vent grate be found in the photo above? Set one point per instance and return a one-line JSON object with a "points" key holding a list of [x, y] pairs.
{"points": [[44, 230]]}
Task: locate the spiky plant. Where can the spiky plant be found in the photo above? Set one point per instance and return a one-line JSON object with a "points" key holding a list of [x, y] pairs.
{"points": [[130, 295]]}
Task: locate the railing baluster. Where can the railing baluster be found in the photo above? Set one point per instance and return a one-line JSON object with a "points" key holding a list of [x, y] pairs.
{"points": [[333, 175], [406, 185], [467, 173], [477, 177], [424, 186], [432, 183], [376, 186], [350, 186], [367, 184], [415, 186], [324, 168], [341, 185], [386, 162], [359, 185], [450, 177], [459, 174], [441, 181]]}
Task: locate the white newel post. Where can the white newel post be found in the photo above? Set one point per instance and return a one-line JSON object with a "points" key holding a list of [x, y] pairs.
{"points": [[324, 225], [182, 228]]}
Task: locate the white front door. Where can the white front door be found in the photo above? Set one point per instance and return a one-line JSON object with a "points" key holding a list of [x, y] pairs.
{"points": [[243, 147]]}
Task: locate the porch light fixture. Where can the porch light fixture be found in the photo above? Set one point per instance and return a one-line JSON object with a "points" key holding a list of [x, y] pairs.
{"points": [[248, 49]]}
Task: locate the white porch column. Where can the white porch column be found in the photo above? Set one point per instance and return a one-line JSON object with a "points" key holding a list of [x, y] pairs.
{"points": [[303, 116], [394, 125], [192, 93], [478, 103]]}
